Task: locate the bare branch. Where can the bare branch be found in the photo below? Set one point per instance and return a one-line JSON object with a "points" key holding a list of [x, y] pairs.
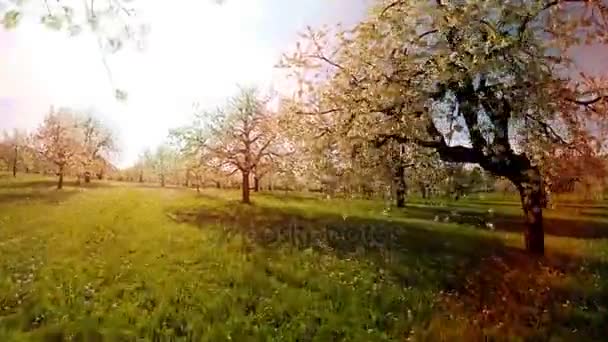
{"points": [[391, 5], [420, 36], [329, 111], [531, 16], [588, 102], [549, 130]]}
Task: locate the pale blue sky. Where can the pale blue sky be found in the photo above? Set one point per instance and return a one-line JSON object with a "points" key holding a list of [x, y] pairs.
{"points": [[196, 51]]}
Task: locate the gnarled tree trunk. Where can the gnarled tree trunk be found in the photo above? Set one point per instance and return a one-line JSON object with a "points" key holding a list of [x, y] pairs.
{"points": [[60, 181], [423, 190], [533, 201], [256, 184], [15, 158], [245, 187], [400, 186]]}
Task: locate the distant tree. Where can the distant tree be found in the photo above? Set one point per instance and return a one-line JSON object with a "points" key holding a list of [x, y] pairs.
{"points": [[58, 141], [143, 167], [97, 142], [243, 136], [239, 137], [15, 148], [190, 143], [5, 155], [161, 162]]}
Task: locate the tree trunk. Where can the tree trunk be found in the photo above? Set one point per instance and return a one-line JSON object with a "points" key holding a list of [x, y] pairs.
{"points": [[256, 184], [60, 182], [532, 201], [423, 190], [400, 186], [246, 188], [218, 185], [16, 157], [87, 177], [162, 180], [141, 176]]}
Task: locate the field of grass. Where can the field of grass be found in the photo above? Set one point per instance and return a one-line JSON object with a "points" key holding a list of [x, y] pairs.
{"points": [[117, 262]]}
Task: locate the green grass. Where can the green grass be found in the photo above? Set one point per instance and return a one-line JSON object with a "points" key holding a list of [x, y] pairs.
{"points": [[119, 262]]}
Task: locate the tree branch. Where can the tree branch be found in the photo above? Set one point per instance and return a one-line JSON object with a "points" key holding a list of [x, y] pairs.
{"points": [[528, 18], [548, 130], [420, 36], [327, 60], [329, 111], [391, 5], [588, 102]]}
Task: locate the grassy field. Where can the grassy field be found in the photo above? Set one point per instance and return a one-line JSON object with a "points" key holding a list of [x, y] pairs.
{"points": [[116, 262]]}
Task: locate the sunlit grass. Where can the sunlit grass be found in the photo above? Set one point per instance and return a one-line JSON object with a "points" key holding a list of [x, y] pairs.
{"points": [[121, 262]]}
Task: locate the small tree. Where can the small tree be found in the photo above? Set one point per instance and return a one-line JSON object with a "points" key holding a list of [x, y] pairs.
{"points": [[97, 143], [57, 140], [161, 162], [15, 148], [236, 138]]}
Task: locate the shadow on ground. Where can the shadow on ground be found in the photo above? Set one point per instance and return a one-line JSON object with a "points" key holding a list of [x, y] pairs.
{"points": [[51, 197], [484, 287], [575, 227], [44, 184], [43, 191]]}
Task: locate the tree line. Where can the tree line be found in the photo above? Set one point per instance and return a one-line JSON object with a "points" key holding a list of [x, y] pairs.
{"points": [[66, 143]]}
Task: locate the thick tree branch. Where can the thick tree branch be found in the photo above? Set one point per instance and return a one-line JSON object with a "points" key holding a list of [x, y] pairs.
{"points": [[391, 5], [588, 102], [424, 34], [323, 112]]}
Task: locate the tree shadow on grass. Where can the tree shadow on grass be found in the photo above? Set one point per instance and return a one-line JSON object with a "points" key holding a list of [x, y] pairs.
{"points": [[495, 290], [52, 183], [49, 197], [579, 227], [291, 196]]}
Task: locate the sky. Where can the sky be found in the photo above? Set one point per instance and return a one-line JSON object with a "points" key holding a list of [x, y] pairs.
{"points": [[196, 51]]}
